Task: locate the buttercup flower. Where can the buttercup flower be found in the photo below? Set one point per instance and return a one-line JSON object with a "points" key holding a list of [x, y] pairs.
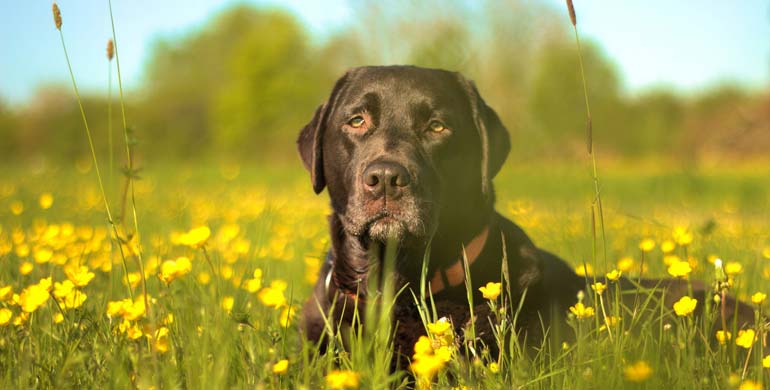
{"points": [[599, 287], [584, 270], [342, 380], [581, 311], [613, 275], [281, 367], [679, 269], [426, 362], [733, 268], [667, 246], [723, 336], [272, 296], [637, 372], [491, 291], [682, 236], [439, 327], [196, 237], [745, 338], [758, 298], [80, 276], [171, 270], [749, 384], [647, 245], [5, 316], [685, 306]]}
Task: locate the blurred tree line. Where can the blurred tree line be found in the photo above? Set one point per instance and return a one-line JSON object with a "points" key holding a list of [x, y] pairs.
{"points": [[241, 87]]}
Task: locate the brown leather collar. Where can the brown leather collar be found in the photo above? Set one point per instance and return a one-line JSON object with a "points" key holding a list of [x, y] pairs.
{"points": [[454, 275], [451, 276]]}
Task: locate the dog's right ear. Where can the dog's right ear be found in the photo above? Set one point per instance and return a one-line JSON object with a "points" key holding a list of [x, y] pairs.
{"points": [[310, 141]]}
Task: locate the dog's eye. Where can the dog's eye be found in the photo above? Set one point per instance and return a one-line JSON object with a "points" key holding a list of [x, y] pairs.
{"points": [[436, 126], [356, 122]]}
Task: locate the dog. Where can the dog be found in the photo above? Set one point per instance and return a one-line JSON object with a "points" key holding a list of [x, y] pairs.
{"points": [[408, 155]]}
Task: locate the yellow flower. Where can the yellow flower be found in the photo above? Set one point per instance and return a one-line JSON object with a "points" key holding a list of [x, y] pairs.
{"points": [[204, 278], [637, 372], [610, 321], [74, 299], [758, 298], [281, 367], [613, 275], [20, 319], [667, 246], [227, 303], [132, 279], [685, 306], [625, 264], [584, 270], [679, 269], [272, 296], [745, 338], [80, 276], [647, 245], [117, 308], [6, 293], [494, 368], [723, 336], [134, 332], [425, 363], [581, 311], [766, 252], [34, 296], [253, 285], [45, 201], [26, 268], [42, 255], [440, 327], [171, 270], [749, 384], [287, 315], [766, 361], [682, 236], [196, 237], [599, 287], [132, 311], [161, 340], [17, 207], [733, 268], [58, 318], [5, 316], [60, 290], [491, 291], [342, 380]]}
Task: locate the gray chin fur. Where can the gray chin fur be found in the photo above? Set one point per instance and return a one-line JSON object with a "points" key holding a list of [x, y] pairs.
{"points": [[385, 230], [411, 222]]}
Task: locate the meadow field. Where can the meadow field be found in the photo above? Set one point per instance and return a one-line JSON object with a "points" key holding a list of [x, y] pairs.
{"points": [[189, 270], [229, 252]]}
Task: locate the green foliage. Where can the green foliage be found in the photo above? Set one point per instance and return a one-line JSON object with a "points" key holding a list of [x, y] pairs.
{"points": [[241, 86]]}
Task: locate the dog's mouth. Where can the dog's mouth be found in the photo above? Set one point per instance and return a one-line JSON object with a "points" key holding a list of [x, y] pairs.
{"points": [[384, 226]]}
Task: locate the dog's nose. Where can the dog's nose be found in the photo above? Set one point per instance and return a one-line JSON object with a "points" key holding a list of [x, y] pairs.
{"points": [[385, 177]]}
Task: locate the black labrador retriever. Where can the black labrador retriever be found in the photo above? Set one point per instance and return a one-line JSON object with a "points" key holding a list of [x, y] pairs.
{"points": [[408, 155]]}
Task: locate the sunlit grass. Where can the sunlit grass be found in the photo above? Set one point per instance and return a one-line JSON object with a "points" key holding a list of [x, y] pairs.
{"points": [[226, 296]]}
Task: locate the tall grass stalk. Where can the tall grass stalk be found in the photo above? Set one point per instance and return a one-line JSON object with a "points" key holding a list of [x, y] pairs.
{"points": [[58, 22], [130, 167], [596, 204]]}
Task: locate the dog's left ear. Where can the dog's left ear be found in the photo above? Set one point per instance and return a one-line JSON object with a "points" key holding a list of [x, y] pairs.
{"points": [[495, 141], [310, 141]]}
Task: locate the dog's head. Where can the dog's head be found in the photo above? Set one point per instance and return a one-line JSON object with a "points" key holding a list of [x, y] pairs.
{"points": [[401, 147]]}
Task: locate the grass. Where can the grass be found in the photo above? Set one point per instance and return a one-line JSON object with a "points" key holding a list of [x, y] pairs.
{"points": [[268, 219], [208, 295]]}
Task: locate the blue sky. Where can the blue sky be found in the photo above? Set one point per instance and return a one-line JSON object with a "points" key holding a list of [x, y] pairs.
{"points": [[654, 43]]}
